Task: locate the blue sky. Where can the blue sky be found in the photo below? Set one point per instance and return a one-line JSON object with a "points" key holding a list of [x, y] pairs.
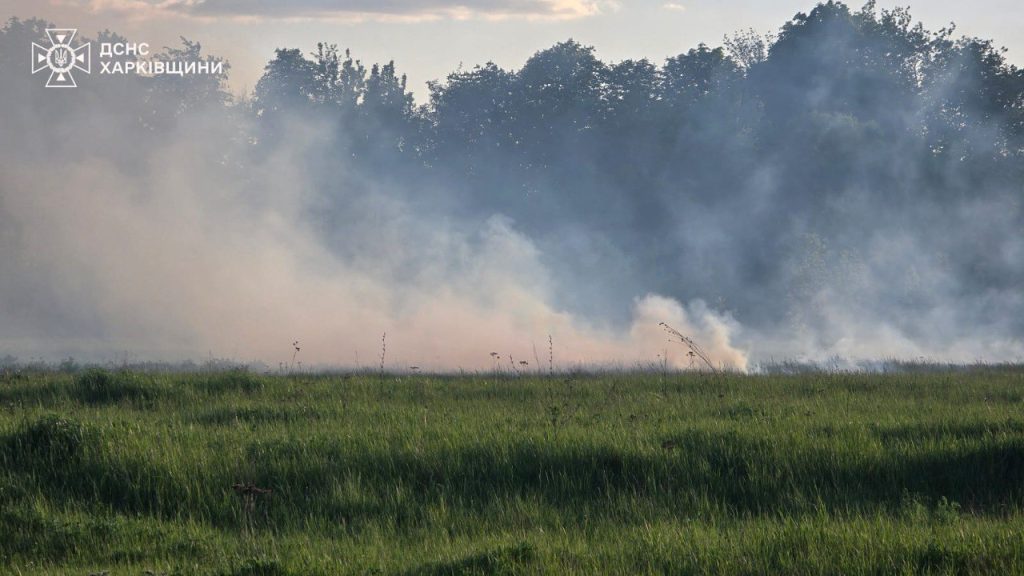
{"points": [[429, 38]]}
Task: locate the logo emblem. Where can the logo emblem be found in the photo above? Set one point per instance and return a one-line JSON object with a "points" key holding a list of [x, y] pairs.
{"points": [[60, 58]]}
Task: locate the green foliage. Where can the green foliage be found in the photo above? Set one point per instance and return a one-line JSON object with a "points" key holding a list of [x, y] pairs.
{"points": [[238, 380], [626, 473], [259, 567], [47, 441], [99, 385], [504, 561]]}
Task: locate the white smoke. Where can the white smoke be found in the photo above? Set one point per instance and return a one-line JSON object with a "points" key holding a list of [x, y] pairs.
{"points": [[179, 260]]}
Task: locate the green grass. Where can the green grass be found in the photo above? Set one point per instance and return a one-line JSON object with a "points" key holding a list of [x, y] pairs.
{"points": [[419, 475]]}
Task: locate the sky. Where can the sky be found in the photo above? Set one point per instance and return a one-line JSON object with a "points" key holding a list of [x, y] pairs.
{"points": [[428, 39]]}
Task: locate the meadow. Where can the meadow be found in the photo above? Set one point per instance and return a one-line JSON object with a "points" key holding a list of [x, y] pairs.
{"points": [[239, 473]]}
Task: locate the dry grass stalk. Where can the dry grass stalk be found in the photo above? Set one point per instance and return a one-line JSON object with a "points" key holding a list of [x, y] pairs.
{"points": [[693, 349], [250, 493]]}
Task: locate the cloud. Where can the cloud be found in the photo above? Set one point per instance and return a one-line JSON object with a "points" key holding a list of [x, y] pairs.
{"points": [[674, 7], [349, 9]]}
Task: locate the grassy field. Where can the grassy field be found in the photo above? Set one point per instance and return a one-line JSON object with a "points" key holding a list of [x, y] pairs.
{"points": [[828, 473]]}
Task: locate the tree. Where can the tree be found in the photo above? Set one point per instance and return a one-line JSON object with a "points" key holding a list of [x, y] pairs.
{"points": [[170, 96], [289, 82]]}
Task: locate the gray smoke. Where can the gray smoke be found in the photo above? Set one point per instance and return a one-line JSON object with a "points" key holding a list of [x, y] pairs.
{"points": [[827, 197]]}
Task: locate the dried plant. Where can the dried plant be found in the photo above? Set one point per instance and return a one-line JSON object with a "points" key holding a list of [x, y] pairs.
{"points": [[383, 353], [551, 356], [295, 345], [693, 350], [249, 494]]}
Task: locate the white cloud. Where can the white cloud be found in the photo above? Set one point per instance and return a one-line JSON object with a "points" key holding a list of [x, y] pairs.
{"points": [[349, 9]]}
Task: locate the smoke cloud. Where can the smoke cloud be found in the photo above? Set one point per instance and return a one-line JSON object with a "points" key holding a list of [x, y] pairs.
{"points": [[171, 257], [849, 189]]}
